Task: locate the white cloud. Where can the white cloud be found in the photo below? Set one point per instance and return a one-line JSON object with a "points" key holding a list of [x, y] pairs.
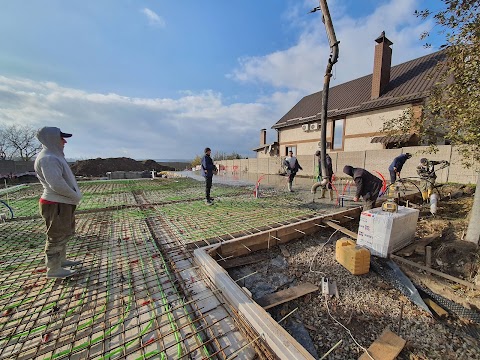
{"points": [[112, 125], [302, 66], [153, 18], [109, 125]]}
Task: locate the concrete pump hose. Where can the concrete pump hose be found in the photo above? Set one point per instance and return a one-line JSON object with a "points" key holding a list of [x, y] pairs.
{"points": [[317, 184]]}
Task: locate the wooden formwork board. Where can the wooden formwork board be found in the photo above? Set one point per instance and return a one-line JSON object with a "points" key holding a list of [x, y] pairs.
{"points": [[284, 346], [277, 338], [283, 234]]}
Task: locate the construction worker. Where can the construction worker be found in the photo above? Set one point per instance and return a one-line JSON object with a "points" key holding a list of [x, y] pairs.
{"points": [[59, 200], [292, 165], [426, 172], [208, 168], [396, 166], [368, 185], [329, 174]]}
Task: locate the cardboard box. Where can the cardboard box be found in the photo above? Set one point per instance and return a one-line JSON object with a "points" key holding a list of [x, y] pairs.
{"points": [[386, 232]]}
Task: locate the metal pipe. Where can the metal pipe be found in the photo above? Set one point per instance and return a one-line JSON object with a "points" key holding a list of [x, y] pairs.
{"points": [[332, 40]]}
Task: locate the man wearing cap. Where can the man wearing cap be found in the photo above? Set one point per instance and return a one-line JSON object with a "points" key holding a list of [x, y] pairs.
{"points": [[396, 166], [368, 185], [59, 200], [208, 168]]}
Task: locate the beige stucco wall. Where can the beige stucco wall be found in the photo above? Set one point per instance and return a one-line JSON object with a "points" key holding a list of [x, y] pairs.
{"points": [[359, 131], [305, 141], [368, 123], [372, 160]]}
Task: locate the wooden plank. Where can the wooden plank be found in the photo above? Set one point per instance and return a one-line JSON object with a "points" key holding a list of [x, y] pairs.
{"points": [[467, 300], [436, 308], [341, 228], [428, 256], [281, 343], [408, 250], [280, 297], [446, 276], [386, 347], [420, 249], [282, 234], [236, 262]]}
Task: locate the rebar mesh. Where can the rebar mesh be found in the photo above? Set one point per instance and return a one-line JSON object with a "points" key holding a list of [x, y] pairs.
{"points": [[137, 294]]}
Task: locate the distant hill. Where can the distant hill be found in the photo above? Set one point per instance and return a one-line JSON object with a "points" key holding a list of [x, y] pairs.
{"points": [[100, 167]]}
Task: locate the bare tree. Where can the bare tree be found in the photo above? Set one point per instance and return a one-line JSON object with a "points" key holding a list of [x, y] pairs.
{"points": [[4, 150], [20, 142]]}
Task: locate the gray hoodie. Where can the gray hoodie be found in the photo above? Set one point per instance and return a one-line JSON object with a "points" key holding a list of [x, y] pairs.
{"points": [[59, 184]]}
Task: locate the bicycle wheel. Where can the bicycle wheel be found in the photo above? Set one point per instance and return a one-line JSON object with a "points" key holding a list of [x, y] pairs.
{"points": [[5, 210], [402, 188]]}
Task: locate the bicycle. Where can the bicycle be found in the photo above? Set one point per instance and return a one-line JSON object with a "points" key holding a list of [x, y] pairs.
{"points": [[6, 211]]}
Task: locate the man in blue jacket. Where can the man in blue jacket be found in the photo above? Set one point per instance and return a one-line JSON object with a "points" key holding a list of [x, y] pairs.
{"points": [[396, 166], [208, 169]]}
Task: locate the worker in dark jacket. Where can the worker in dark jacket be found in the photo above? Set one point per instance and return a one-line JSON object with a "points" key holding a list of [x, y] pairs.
{"points": [[208, 168], [396, 166], [329, 171], [368, 185]]}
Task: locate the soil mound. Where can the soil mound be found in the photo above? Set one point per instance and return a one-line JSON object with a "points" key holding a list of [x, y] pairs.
{"points": [[100, 167]]}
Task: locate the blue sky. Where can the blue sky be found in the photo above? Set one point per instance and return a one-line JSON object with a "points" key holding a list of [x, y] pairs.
{"points": [[164, 79]]}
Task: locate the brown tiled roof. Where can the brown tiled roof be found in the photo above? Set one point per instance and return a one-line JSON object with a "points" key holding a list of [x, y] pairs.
{"points": [[392, 138], [409, 82]]}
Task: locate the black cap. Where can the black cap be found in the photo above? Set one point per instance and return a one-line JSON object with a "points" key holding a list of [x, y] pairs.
{"points": [[65, 135]]}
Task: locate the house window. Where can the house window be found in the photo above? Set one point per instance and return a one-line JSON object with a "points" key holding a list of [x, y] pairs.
{"points": [[338, 131], [292, 148]]}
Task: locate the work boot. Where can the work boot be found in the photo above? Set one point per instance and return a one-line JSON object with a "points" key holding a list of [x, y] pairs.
{"points": [[54, 270], [322, 194], [425, 196], [63, 258], [331, 194]]}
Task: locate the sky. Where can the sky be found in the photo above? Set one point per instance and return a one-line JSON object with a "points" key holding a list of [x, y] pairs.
{"points": [[158, 79]]}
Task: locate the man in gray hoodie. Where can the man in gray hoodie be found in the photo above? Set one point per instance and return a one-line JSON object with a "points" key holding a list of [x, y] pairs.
{"points": [[59, 200]]}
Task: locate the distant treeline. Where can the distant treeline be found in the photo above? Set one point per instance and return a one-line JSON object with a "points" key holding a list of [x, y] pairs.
{"points": [[178, 165]]}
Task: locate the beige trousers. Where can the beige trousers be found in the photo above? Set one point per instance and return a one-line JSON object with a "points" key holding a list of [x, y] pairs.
{"points": [[60, 223]]}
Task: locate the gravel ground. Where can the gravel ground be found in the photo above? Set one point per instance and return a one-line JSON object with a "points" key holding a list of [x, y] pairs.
{"points": [[367, 304]]}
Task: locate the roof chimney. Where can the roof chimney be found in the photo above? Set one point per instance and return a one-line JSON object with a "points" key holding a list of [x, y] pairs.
{"points": [[381, 65], [263, 137]]}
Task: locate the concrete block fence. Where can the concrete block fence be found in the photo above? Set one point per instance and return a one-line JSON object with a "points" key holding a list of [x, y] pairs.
{"points": [[372, 160]]}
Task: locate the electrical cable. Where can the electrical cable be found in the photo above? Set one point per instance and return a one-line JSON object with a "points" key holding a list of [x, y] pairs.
{"points": [[315, 255], [348, 330]]}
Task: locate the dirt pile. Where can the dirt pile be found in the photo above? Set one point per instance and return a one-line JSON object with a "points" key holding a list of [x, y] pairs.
{"points": [[99, 166]]}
